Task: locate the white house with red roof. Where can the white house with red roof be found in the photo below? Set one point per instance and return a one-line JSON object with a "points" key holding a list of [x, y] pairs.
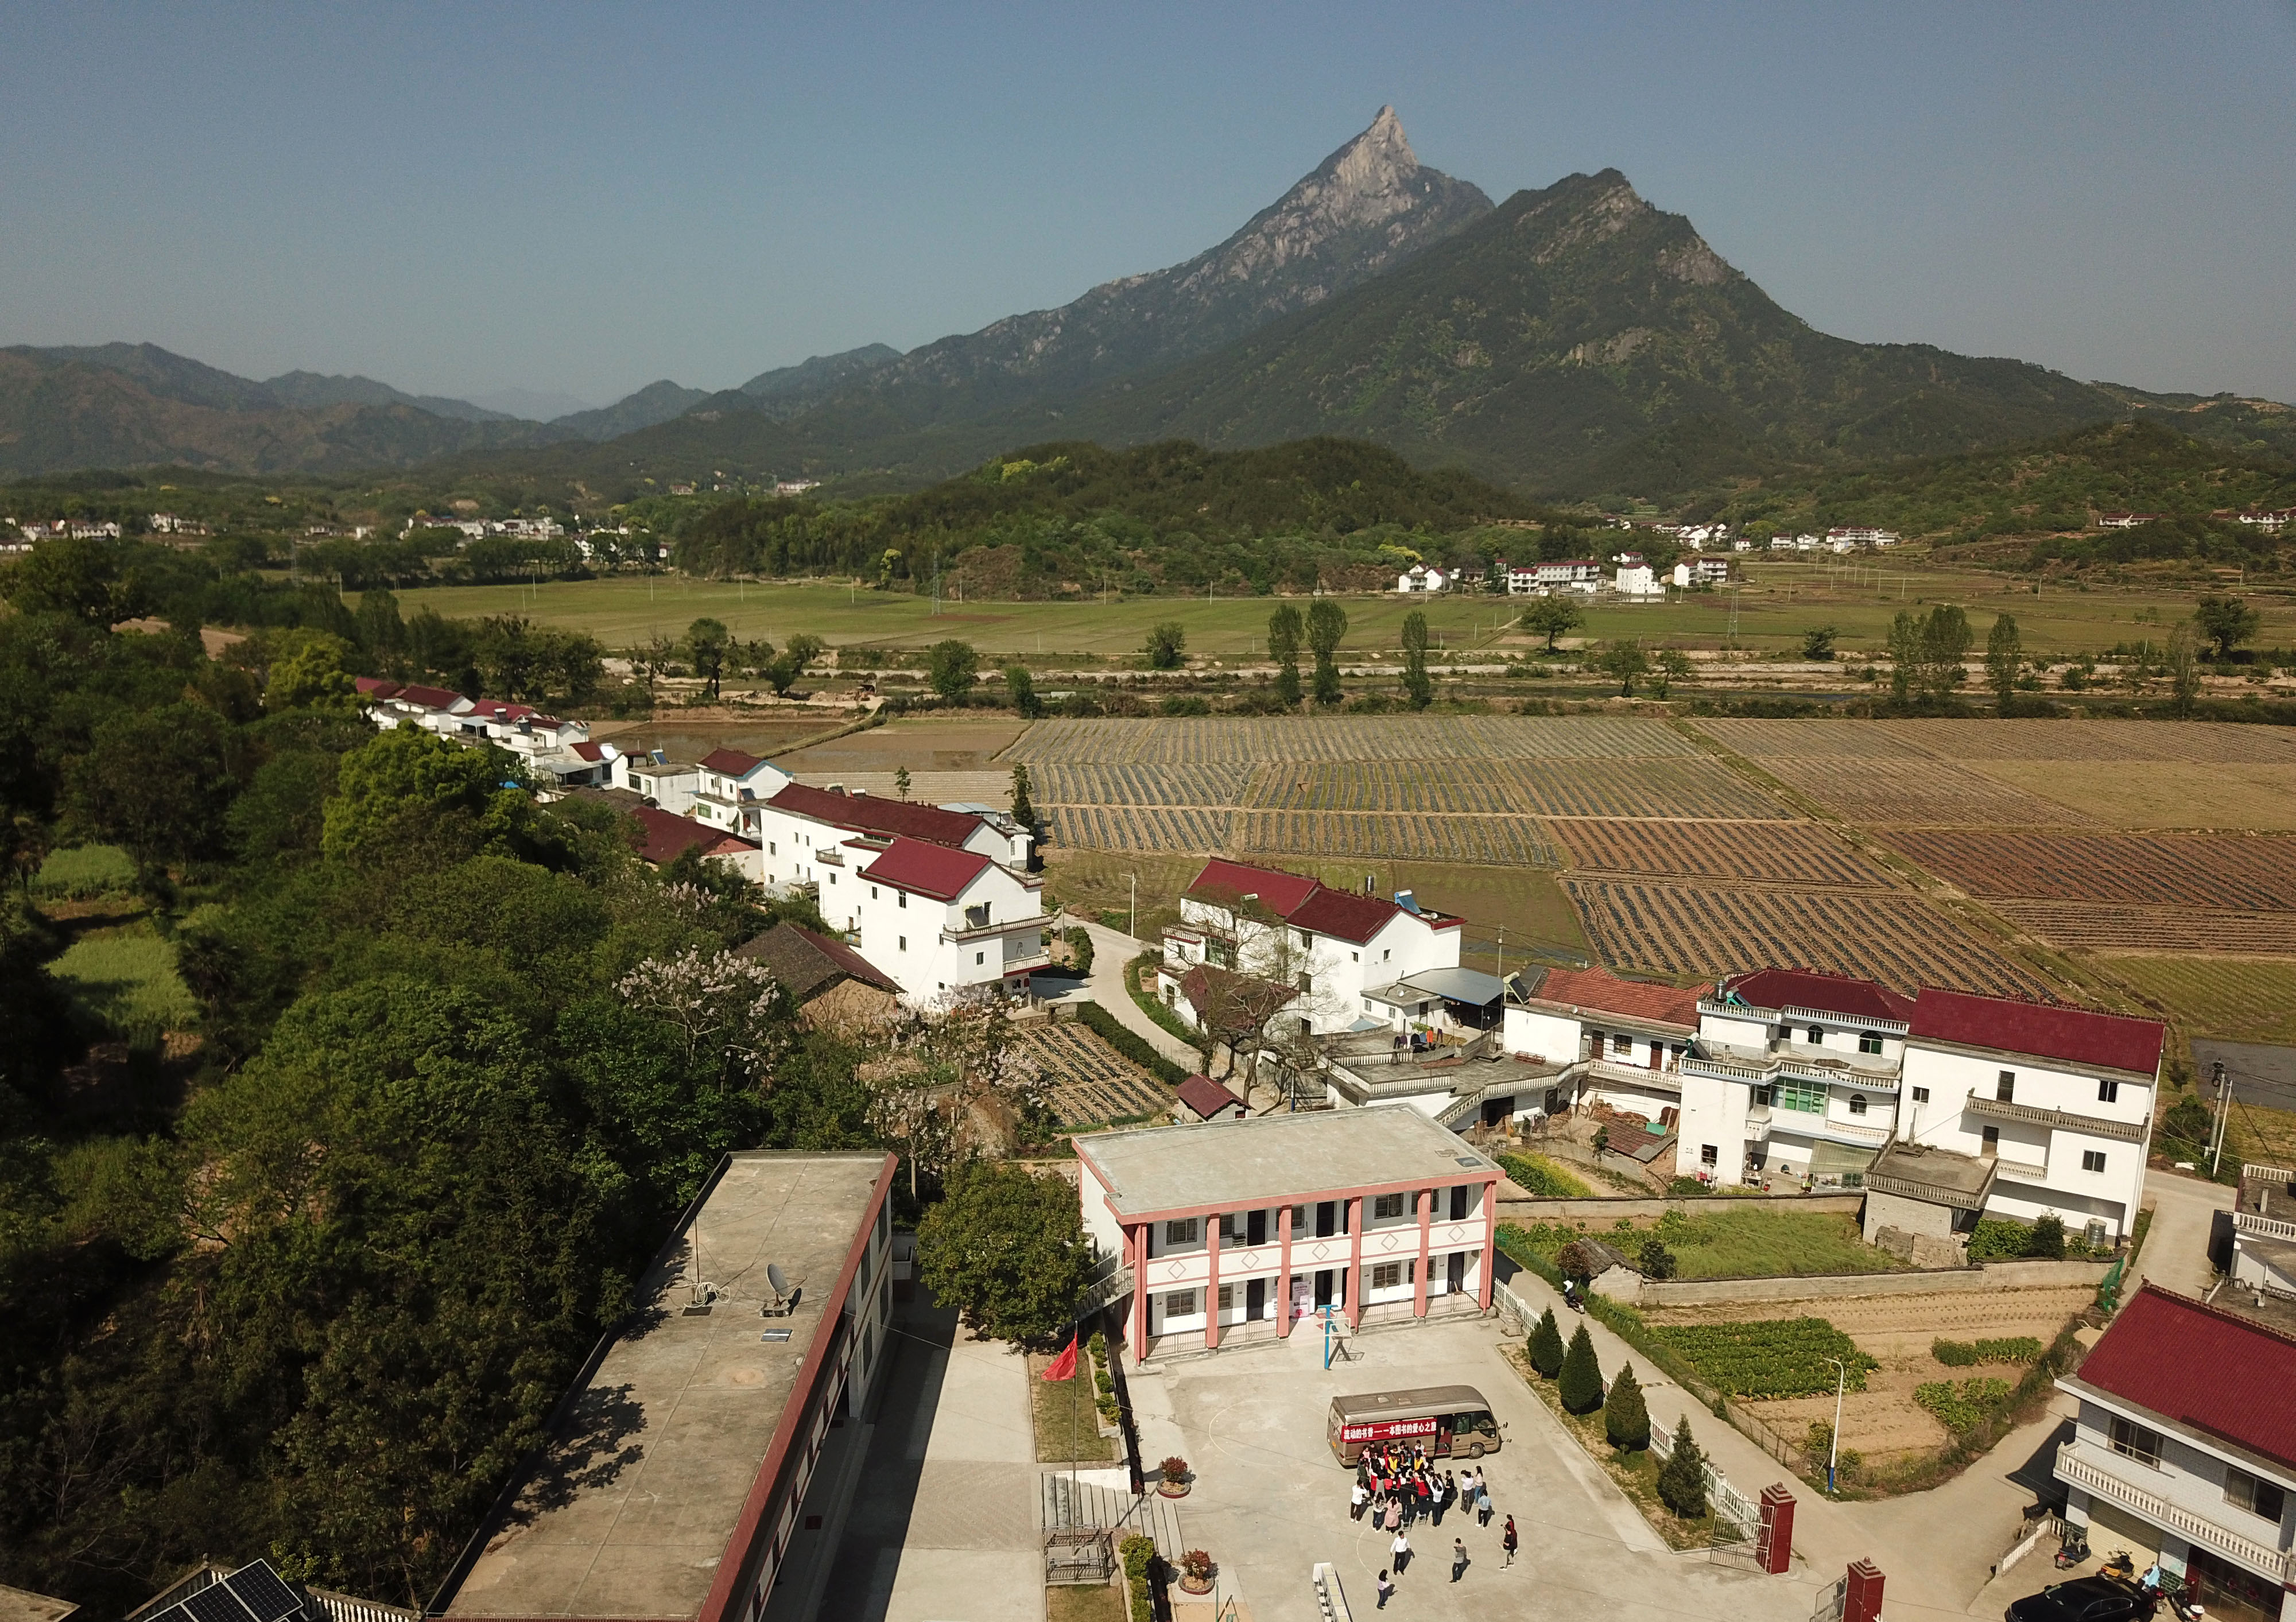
{"points": [[1945, 1106], [1335, 946], [1622, 1042], [553, 751], [944, 921], [2185, 1450], [803, 832], [733, 789]]}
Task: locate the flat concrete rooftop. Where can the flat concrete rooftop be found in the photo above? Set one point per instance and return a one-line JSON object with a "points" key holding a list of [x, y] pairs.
{"points": [[1967, 1176], [1276, 1159], [638, 1489]]}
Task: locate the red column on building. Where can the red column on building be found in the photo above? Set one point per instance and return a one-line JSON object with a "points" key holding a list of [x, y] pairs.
{"points": [[1283, 1273], [1136, 1242], [1355, 1262], [1862, 1601], [1490, 1245], [1773, 1548], [1425, 1200], [1211, 1282]]}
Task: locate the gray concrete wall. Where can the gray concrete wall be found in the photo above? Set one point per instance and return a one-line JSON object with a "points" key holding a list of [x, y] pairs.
{"points": [[1839, 1286], [1910, 1216], [1603, 1211]]}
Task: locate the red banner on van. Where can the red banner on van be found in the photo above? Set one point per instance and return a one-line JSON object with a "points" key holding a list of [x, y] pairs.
{"points": [[1388, 1430]]}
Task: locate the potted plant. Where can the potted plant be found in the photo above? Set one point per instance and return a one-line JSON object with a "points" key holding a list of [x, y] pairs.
{"points": [[1196, 1570], [1175, 1484]]}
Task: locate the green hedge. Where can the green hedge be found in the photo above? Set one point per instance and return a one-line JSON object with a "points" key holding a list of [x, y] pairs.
{"points": [[1137, 1551], [1964, 1354], [1541, 1177], [1104, 1024]]}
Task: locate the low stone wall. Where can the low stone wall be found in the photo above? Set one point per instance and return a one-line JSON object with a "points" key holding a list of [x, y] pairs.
{"points": [[1606, 1210], [1838, 1286]]}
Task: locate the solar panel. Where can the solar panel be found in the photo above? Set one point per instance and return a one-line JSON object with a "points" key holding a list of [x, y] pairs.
{"points": [[214, 1603], [259, 1589]]}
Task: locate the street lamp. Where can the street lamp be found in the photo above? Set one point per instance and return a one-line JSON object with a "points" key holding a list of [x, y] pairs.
{"points": [[1833, 1453], [1132, 926]]}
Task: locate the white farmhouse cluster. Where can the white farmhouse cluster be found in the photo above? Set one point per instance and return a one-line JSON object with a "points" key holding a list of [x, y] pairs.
{"points": [[937, 898]]}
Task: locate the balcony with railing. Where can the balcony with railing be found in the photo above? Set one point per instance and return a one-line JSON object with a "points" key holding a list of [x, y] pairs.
{"points": [[1666, 1080], [1791, 1061], [2062, 1120], [2098, 1473], [2018, 1171], [2263, 1227], [1811, 1124]]}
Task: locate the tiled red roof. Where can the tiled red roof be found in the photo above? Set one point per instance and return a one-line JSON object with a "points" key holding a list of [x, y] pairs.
{"points": [[1207, 1097], [2199, 1365], [669, 837], [1600, 990], [374, 686], [2046, 1030], [730, 763], [939, 871], [1221, 883], [874, 813], [1345, 914], [590, 751], [1839, 994], [430, 698]]}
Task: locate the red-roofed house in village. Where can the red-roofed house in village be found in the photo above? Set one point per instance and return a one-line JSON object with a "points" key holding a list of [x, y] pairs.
{"points": [[1622, 1042], [943, 921], [1334, 945], [2185, 1450], [555, 752], [733, 790], [1944, 1107], [805, 833], [668, 836]]}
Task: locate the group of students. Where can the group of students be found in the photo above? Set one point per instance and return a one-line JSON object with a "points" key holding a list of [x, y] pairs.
{"points": [[1398, 1484]]}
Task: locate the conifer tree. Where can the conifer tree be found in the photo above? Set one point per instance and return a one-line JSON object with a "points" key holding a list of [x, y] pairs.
{"points": [[1626, 1416], [1547, 1345], [1580, 1384], [1682, 1483]]}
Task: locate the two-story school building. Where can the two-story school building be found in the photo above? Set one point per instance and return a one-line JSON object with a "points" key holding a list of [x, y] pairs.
{"points": [[1249, 1225], [944, 921], [1332, 945], [2185, 1450]]}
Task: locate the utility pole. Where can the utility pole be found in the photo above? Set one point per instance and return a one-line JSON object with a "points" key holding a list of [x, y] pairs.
{"points": [[1132, 925], [1833, 1456], [2224, 1116]]}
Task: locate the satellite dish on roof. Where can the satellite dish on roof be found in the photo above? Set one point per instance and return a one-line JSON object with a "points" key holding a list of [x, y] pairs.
{"points": [[778, 1281]]}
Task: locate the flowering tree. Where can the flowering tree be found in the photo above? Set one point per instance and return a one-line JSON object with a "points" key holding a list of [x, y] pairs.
{"points": [[730, 1013]]}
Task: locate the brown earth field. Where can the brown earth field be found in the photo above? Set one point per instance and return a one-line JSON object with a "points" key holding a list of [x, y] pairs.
{"points": [[2154, 796], [927, 743], [1788, 853], [2219, 871], [1883, 1421]]}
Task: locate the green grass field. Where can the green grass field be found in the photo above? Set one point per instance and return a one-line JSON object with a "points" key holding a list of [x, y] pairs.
{"points": [[126, 979], [2238, 999], [83, 873], [1778, 602], [1748, 1241]]}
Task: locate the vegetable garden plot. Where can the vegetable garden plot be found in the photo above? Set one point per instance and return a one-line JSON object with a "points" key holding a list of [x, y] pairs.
{"points": [[1108, 784], [1666, 789], [1382, 785], [1810, 738], [2155, 931], [1919, 792], [1083, 1079], [1184, 827], [1482, 842], [1898, 940], [2164, 870], [1768, 1358], [1784, 853]]}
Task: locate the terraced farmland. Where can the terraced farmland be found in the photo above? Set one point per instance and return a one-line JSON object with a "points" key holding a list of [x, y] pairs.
{"points": [[1916, 791], [1186, 828], [1899, 940], [2257, 874], [2154, 931], [1786, 853], [1487, 841], [1085, 1081], [1254, 740], [1099, 784], [1485, 786]]}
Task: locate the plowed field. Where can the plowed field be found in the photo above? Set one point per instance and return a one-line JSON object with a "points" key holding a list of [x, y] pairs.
{"points": [[1918, 791], [1500, 841], [1898, 940], [1251, 740], [1104, 784], [2256, 874], [1784, 853], [2155, 931]]}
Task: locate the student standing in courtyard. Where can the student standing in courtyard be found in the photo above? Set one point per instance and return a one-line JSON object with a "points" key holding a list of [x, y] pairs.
{"points": [[1508, 1541], [1386, 1589], [1458, 1558], [1399, 1553]]}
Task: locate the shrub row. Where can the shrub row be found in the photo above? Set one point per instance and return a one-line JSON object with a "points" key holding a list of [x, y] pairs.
{"points": [[1137, 1551], [1103, 1025], [1964, 1354]]}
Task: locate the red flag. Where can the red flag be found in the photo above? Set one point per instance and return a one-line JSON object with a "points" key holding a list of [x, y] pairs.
{"points": [[1062, 1367]]}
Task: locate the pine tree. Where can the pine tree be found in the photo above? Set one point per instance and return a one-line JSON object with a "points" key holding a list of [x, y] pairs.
{"points": [[1580, 1384], [1547, 1345], [1682, 1484], [1626, 1416]]}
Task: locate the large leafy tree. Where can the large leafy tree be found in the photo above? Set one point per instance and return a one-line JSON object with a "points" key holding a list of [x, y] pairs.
{"points": [[1328, 625], [706, 644], [951, 665], [1284, 632], [410, 770], [2226, 622], [1167, 645], [1006, 1249], [1417, 688], [1552, 616], [158, 782]]}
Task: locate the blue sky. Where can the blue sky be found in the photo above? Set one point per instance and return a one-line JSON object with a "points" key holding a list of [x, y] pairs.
{"points": [[583, 198]]}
